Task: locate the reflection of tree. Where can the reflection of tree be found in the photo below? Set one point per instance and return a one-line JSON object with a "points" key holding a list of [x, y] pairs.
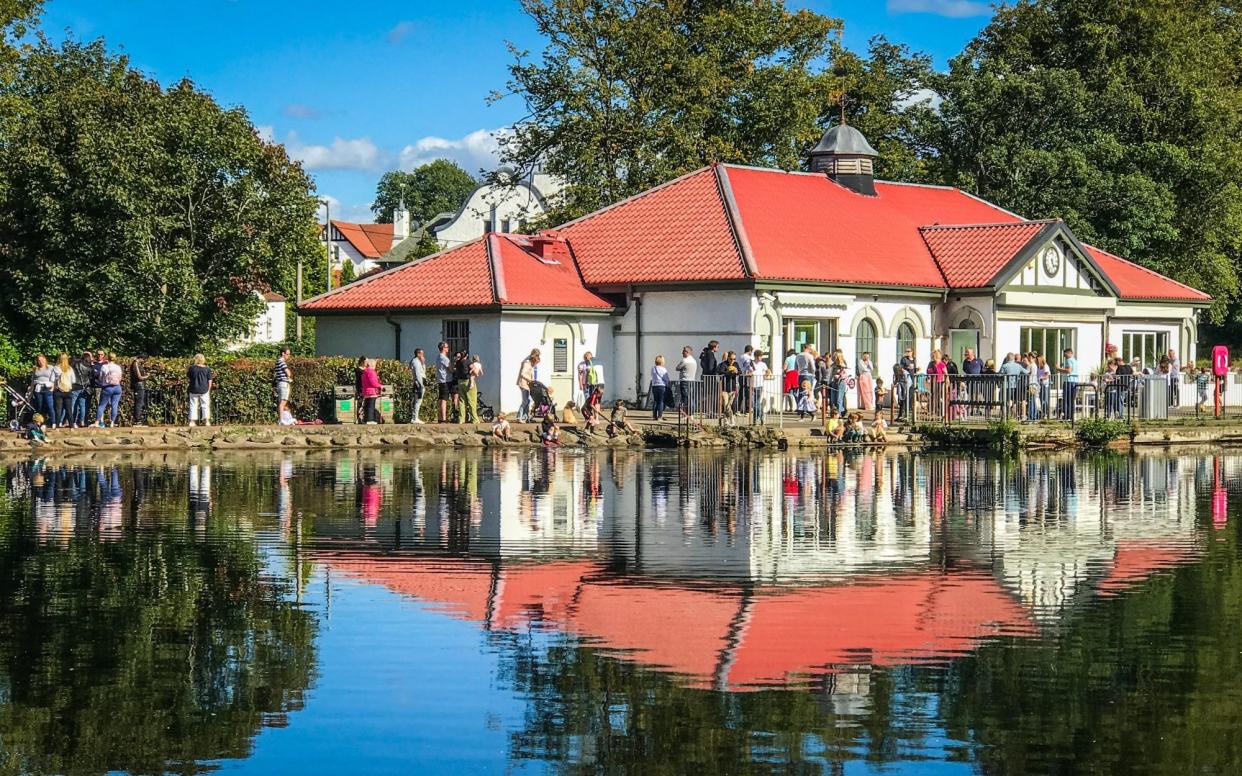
{"points": [[150, 652], [1150, 682], [594, 713]]}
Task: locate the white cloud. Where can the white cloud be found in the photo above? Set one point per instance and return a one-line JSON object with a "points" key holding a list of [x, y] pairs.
{"points": [[400, 32], [356, 213], [954, 8], [477, 150], [267, 133], [931, 98], [298, 110], [341, 154]]}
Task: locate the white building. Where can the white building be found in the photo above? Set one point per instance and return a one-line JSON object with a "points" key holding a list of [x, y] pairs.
{"points": [[269, 325], [496, 209], [365, 246], [772, 259]]}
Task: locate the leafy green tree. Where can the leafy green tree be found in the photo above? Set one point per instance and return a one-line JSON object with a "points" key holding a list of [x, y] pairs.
{"points": [[625, 95], [439, 186], [1124, 118], [137, 217], [347, 273]]}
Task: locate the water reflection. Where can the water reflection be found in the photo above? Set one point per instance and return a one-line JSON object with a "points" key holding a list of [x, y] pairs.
{"points": [[703, 610]]}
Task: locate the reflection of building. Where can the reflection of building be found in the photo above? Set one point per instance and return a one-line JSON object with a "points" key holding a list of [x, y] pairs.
{"points": [[738, 571]]}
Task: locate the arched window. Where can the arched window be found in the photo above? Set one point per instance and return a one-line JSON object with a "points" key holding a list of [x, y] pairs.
{"points": [[905, 339], [864, 339]]}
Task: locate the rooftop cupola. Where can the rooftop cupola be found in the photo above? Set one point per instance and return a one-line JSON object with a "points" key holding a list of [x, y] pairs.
{"points": [[844, 155]]}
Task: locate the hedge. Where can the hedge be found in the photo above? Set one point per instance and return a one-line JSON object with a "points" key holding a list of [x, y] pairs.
{"points": [[243, 393]]}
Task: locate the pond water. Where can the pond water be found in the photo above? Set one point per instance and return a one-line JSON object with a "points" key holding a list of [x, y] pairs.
{"points": [[645, 612]]}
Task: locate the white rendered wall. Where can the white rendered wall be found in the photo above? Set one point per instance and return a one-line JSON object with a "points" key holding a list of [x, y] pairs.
{"points": [[520, 333]]}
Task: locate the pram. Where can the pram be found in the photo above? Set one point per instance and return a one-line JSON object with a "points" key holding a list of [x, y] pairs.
{"points": [[541, 401], [20, 408]]}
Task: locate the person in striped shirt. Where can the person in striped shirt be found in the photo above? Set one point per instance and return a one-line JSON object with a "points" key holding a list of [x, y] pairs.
{"points": [[282, 378]]}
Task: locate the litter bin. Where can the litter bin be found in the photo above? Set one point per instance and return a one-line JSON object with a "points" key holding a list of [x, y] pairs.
{"points": [[1154, 399], [384, 406], [344, 404]]}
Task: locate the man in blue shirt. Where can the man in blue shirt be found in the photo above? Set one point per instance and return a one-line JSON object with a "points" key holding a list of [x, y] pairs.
{"points": [[1069, 368]]}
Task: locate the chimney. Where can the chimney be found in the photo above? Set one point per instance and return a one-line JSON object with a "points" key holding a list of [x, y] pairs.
{"points": [[400, 222], [549, 246], [844, 155]]}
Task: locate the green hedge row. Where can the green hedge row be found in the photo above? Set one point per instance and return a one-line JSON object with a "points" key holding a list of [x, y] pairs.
{"points": [[243, 391]]}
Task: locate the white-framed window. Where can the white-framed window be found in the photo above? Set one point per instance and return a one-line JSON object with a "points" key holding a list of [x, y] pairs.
{"points": [[1147, 346], [1047, 342]]}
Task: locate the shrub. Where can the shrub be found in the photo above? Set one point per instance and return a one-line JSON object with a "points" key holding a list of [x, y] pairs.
{"points": [[1098, 432], [243, 392]]}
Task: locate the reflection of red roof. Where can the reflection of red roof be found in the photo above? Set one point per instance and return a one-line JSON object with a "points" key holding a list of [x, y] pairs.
{"points": [[539, 592], [1135, 561], [675, 629], [1135, 282], [901, 620], [497, 270], [371, 240], [459, 588], [971, 256]]}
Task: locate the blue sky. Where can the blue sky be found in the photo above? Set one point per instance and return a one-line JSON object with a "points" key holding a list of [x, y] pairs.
{"points": [[356, 89]]}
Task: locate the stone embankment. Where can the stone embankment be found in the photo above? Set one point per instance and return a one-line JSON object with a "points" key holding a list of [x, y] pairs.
{"points": [[328, 437]]}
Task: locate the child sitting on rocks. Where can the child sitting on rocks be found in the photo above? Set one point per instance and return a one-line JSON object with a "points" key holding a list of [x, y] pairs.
{"points": [[879, 429], [617, 424], [500, 428], [854, 429], [835, 428], [549, 432], [34, 431]]}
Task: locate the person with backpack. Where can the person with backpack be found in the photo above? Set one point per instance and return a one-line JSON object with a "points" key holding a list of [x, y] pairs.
{"points": [[138, 384], [200, 379], [461, 381], [82, 375], [110, 375], [62, 392]]}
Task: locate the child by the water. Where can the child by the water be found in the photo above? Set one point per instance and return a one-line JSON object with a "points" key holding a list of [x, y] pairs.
{"points": [[500, 428], [1201, 382], [34, 430], [805, 399], [879, 428], [549, 432]]}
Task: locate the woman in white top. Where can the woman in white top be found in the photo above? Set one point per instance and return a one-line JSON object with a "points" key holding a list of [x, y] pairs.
{"points": [[659, 388], [758, 372], [42, 382]]}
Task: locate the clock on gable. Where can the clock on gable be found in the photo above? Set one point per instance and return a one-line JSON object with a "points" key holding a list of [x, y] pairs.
{"points": [[1052, 260]]}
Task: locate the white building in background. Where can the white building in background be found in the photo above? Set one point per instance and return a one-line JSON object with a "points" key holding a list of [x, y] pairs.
{"points": [[269, 325], [365, 246], [771, 259], [496, 209]]}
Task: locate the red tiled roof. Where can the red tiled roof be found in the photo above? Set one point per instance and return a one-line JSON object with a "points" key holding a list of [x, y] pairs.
{"points": [[496, 270], [971, 256], [677, 231], [371, 240], [1137, 283], [807, 227]]}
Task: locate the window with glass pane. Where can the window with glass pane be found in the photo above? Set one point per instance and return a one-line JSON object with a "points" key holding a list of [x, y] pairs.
{"points": [[864, 338], [457, 335], [822, 334], [1147, 346], [905, 340], [1047, 342]]}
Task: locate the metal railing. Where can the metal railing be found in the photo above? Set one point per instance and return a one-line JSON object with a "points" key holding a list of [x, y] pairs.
{"points": [[740, 400]]}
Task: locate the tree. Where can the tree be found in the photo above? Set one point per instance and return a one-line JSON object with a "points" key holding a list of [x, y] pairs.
{"points": [[628, 95], [436, 187], [136, 217], [1123, 118]]}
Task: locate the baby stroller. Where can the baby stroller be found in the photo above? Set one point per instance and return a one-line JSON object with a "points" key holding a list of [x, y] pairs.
{"points": [[541, 402], [20, 408]]}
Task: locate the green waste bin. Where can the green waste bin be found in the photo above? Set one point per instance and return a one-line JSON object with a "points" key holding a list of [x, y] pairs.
{"points": [[384, 406], [344, 406]]}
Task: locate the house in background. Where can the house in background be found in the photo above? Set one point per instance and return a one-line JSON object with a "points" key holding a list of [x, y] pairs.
{"points": [[269, 325], [504, 208], [365, 246], [772, 259]]}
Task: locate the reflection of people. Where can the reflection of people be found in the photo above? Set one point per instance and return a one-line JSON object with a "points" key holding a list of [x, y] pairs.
{"points": [[200, 495]]}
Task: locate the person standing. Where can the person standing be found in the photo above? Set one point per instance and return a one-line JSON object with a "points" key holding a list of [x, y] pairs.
{"points": [[371, 387], [728, 372], [62, 392], [282, 379], [584, 383], [526, 376], [866, 383], [745, 366], [110, 375], [758, 372], [96, 384], [840, 374], [686, 372], [1068, 368], [659, 388], [200, 379], [474, 370], [418, 384], [42, 381], [707, 359], [444, 372], [1175, 378], [82, 376], [138, 384]]}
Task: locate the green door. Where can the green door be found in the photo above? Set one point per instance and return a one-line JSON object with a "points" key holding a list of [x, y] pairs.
{"points": [[959, 340]]}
